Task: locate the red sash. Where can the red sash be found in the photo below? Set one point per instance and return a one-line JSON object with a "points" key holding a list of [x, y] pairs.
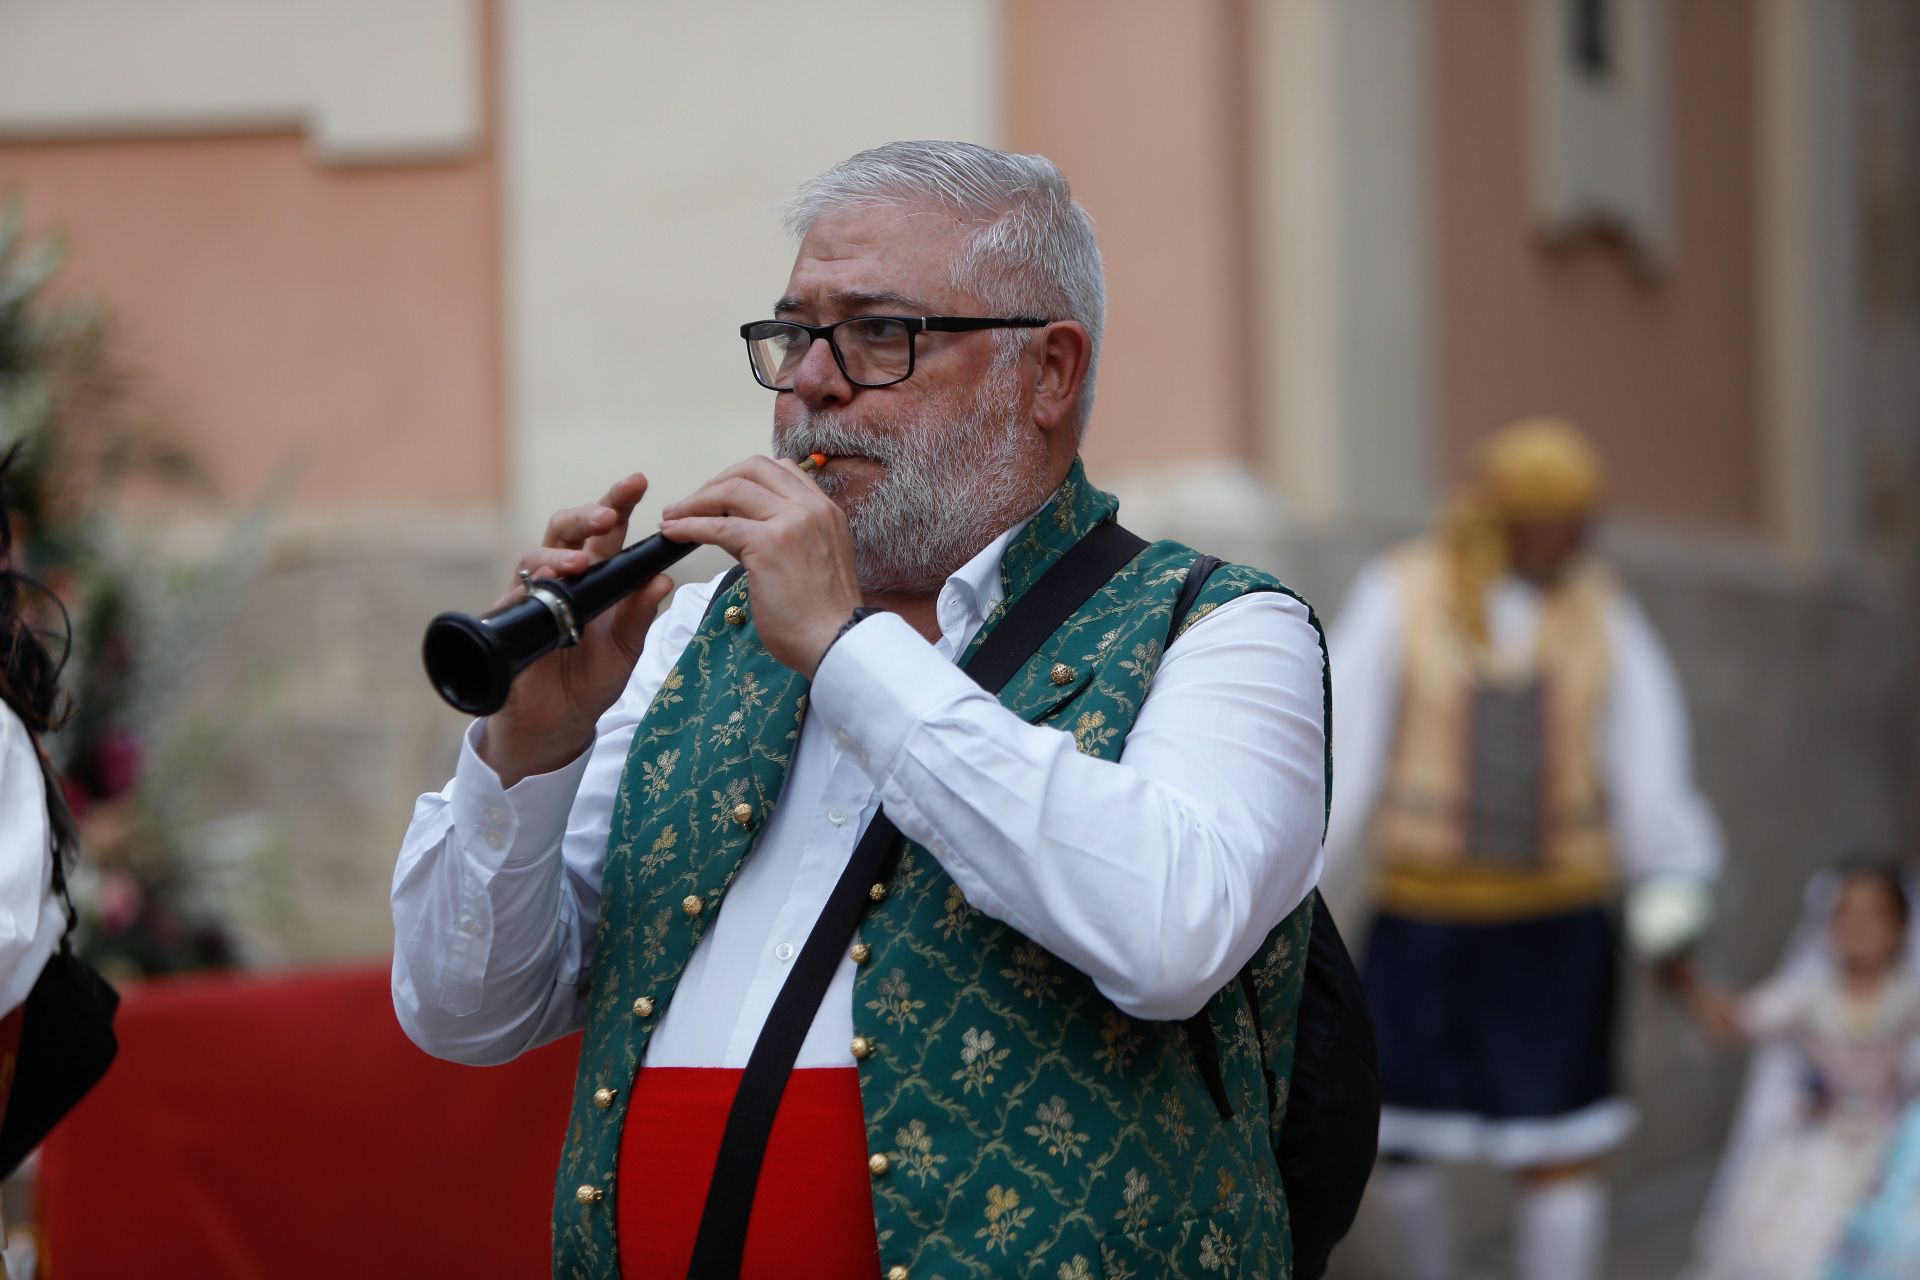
{"points": [[813, 1214]]}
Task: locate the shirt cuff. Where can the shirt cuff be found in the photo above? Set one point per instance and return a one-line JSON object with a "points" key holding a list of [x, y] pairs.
{"points": [[877, 684], [500, 826]]}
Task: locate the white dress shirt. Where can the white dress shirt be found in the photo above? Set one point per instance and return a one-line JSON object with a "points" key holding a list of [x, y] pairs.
{"points": [[31, 917], [1157, 875], [1662, 826]]}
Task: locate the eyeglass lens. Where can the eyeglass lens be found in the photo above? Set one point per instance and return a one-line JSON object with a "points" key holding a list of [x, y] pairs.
{"points": [[874, 351]]}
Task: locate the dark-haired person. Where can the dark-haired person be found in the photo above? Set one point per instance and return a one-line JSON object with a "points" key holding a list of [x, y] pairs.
{"points": [[35, 823], [1842, 1022]]}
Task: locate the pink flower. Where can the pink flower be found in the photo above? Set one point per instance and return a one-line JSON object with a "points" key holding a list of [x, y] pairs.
{"points": [[121, 901]]}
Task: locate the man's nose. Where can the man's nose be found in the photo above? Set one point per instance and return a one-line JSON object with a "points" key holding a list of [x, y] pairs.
{"points": [[818, 381]]}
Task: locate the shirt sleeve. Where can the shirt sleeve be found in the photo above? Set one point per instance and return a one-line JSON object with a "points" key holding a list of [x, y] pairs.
{"points": [[1158, 875], [496, 893], [31, 918], [1664, 828], [1365, 643]]}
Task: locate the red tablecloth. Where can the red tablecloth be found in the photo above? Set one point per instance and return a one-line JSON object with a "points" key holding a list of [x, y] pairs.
{"points": [[283, 1127]]}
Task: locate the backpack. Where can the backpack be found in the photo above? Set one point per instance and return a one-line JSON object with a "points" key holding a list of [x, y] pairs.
{"points": [[1326, 1141]]}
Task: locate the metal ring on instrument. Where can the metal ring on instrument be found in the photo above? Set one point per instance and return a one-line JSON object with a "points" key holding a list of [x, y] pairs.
{"points": [[525, 578], [562, 612]]}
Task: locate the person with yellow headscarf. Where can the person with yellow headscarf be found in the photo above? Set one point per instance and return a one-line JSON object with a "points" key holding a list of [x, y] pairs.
{"points": [[1513, 760]]}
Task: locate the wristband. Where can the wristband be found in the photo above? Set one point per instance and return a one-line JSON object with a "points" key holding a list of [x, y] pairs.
{"points": [[854, 619]]}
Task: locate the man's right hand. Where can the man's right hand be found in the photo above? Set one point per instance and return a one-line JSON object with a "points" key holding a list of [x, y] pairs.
{"points": [[551, 711]]}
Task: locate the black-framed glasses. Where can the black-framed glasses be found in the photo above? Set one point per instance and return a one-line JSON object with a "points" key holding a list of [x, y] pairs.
{"points": [[872, 351]]}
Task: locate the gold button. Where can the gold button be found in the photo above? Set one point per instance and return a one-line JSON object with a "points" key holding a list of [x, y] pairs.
{"points": [[734, 615], [862, 1047], [896, 1272], [878, 893], [643, 1007], [691, 904], [743, 813], [1063, 674], [589, 1194], [603, 1098], [860, 952], [878, 1164]]}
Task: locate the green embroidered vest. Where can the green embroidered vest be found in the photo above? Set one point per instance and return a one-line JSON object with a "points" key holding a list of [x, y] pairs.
{"points": [[1030, 1127]]}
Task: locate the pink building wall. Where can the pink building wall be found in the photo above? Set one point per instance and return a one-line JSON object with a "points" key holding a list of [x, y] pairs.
{"points": [[1663, 371], [274, 310], [1140, 103]]}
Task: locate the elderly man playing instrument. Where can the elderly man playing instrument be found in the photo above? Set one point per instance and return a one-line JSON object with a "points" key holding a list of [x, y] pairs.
{"points": [[1514, 753], [1035, 1020]]}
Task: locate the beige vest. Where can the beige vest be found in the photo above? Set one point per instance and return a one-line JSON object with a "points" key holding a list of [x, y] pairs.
{"points": [[1494, 806]]}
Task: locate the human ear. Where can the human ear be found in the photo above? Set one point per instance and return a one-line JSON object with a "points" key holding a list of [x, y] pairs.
{"points": [[1063, 353]]}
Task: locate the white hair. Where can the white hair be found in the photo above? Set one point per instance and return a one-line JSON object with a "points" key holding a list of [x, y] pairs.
{"points": [[1031, 254]]}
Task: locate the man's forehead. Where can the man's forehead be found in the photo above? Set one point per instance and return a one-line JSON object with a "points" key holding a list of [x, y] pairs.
{"points": [[876, 253]]}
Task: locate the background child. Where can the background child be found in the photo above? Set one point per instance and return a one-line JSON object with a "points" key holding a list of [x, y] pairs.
{"points": [[1849, 1019]]}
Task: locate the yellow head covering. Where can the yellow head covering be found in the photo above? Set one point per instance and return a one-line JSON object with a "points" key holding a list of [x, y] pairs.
{"points": [[1541, 469], [1536, 469]]}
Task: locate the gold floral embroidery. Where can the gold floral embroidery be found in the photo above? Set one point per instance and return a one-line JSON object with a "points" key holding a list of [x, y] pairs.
{"points": [[1055, 1129], [724, 800], [1173, 1118], [1005, 1217], [915, 1153], [1121, 1040], [657, 774], [662, 851], [730, 730], [653, 938], [669, 692], [1093, 732], [1078, 1269], [1144, 662], [979, 1060], [1033, 972], [959, 912], [895, 1005], [1216, 1251], [1137, 1201]]}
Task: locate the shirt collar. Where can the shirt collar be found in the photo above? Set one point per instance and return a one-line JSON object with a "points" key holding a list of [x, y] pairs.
{"points": [[971, 592]]}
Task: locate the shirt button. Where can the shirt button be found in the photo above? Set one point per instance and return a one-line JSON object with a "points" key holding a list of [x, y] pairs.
{"points": [[495, 840], [836, 816], [471, 928], [496, 814], [784, 951]]}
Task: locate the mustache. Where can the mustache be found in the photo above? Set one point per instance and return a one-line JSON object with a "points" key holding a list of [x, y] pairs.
{"points": [[827, 433]]}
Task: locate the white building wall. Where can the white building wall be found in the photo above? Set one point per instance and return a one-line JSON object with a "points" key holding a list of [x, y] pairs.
{"points": [[648, 146]]}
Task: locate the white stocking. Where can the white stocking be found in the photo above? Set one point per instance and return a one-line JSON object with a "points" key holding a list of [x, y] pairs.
{"points": [[1415, 1199], [1559, 1229]]}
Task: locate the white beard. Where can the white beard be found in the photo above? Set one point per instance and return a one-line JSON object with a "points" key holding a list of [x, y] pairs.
{"points": [[951, 486]]}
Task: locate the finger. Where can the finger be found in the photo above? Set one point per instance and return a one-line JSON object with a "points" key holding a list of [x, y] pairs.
{"points": [[621, 499], [573, 526], [732, 533], [732, 495], [629, 620], [544, 562], [554, 562]]}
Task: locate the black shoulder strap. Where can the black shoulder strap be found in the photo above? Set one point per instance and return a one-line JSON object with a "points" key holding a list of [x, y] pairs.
{"points": [[1029, 621]]}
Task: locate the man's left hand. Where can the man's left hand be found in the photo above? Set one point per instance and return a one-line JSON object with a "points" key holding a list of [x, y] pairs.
{"points": [[794, 542]]}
